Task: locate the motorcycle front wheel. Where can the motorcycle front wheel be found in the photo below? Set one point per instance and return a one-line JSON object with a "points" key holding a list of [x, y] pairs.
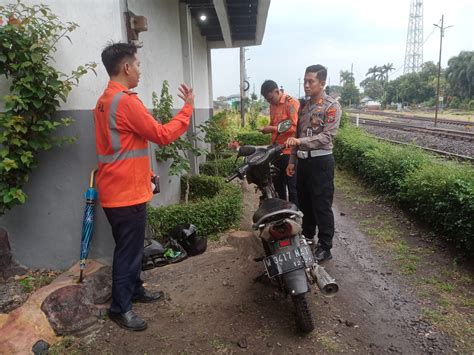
{"points": [[304, 318]]}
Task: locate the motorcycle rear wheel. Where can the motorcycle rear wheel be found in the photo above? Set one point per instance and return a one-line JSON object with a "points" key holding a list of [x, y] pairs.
{"points": [[304, 317]]}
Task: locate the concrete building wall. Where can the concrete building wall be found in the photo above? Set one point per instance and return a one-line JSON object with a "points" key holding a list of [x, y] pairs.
{"points": [[46, 230]]}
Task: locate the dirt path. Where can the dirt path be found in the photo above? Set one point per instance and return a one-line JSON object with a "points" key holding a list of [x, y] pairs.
{"points": [[215, 306]]}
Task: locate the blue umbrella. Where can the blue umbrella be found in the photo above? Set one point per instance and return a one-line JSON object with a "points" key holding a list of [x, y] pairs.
{"points": [[87, 223]]}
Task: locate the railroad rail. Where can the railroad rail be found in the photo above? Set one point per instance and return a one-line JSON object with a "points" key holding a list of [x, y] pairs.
{"points": [[440, 132], [437, 151], [412, 117]]}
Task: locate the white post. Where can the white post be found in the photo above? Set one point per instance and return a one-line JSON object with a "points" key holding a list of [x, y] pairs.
{"points": [[357, 120]]}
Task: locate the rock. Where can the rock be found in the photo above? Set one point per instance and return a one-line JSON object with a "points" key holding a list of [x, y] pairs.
{"points": [[342, 214], [349, 323], [70, 310], [40, 347], [243, 343], [99, 285], [8, 267]]}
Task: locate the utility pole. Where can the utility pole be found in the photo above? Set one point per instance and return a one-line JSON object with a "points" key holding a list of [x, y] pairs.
{"points": [[242, 93], [299, 88], [350, 96], [441, 35]]}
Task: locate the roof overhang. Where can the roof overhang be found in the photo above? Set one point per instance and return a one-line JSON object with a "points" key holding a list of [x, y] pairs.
{"points": [[230, 23]]}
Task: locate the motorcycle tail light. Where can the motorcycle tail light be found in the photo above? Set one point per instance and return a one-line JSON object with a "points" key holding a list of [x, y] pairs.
{"points": [[281, 230], [284, 243]]}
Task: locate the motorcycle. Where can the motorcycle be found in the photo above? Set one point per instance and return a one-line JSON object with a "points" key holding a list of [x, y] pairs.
{"points": [[288, 259]]}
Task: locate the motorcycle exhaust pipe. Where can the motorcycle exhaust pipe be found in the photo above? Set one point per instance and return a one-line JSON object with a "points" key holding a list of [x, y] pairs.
{"points": [[325, 282]]}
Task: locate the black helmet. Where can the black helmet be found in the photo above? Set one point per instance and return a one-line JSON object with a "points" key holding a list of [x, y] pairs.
{"points": [[187, 236]]}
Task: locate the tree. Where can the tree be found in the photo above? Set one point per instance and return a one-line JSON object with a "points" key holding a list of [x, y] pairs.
{"points": [[374, 72], [385, 70], [28, 124], [346, 77], [350, 94], [460, 75], [178, 151]]}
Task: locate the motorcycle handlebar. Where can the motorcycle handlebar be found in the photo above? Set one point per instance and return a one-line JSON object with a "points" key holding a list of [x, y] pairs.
{"points": [[232, 177]]}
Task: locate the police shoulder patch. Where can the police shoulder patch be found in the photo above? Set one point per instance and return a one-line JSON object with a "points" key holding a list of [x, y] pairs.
{"points": [[331, 114]]}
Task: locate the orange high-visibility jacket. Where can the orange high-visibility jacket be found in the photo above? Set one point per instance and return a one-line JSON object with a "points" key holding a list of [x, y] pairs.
{"points": [[123, 127]]}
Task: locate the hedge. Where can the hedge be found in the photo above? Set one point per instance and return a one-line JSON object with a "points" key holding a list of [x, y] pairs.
{"points": [[254, 138], [214, 206], [439, 193], [220, 167]]}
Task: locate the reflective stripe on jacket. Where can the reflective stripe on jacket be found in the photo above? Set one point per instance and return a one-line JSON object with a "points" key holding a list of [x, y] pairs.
{"points": [[123, 127]]}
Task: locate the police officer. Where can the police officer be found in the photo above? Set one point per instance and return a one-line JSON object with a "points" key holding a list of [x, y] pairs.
{"points": [[123, 127], [312, 148], [282, 107]]}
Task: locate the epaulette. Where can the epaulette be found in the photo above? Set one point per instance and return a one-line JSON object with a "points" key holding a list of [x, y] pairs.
{"points": [[129, 92]]}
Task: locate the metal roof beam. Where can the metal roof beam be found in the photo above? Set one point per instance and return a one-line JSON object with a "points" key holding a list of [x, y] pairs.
{"points": [[262, 13], [221, 11]]}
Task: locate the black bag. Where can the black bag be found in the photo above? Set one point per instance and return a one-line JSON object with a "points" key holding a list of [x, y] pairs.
{"points": [[187, 236], [155, 254]]}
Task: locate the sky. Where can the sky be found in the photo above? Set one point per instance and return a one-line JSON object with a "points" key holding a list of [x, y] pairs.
{"points": [[338, 34]]}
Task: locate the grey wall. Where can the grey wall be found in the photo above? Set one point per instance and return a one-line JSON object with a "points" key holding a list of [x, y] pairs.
{"points": [[45, 232]]}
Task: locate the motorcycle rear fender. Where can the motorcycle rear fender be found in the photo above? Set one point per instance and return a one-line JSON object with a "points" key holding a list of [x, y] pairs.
{"points": [[296, 282]]}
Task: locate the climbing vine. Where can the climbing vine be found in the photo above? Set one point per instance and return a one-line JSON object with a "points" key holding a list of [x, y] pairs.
{"points": [[28, 39]]}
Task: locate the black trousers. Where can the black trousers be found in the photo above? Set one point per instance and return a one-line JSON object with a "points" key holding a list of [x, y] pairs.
{"points": [[128, 228], [281, 181], [315, 183]]}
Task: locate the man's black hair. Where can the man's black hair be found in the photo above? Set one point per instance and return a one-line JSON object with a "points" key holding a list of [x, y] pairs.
{"points": [[267, 87], [114, 54], [321, 72]]}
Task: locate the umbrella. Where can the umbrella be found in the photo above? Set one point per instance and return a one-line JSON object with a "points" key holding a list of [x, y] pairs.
{"points": [[87, 223]]}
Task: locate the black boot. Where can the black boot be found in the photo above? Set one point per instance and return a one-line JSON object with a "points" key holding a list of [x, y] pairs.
{"points": [[322, 255], [129, 320]]}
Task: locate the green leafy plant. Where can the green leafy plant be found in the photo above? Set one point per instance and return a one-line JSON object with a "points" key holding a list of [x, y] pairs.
{"points": [[179, 150], [214, 207], [28, 41], [216, 133], [439, 193]]}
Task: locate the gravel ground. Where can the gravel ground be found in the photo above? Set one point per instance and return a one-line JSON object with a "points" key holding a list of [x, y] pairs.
{"points": [[424, 140]]}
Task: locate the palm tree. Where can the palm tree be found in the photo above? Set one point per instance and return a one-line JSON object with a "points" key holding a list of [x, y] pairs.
{"points": [[385, 69], [346, 77], [375, 71]]}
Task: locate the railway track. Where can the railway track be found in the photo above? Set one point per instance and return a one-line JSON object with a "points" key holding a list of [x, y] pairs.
{"points": [[447, 155], [412, 117], [440, 132]]}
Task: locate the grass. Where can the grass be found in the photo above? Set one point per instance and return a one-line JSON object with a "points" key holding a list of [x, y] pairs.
{"points": [[328, 344], [446, 288], [34, 281]]}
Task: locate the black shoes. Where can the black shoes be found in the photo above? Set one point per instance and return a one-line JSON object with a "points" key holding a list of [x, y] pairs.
{"points": [[149, 297], [129, 320], [322, 255]]}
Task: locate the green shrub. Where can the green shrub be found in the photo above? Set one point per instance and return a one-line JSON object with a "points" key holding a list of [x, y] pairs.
{"points": [[221, 167], [215, 207], [254, 138], [439, 193], [471, 105], [443, 196], [386, 165], [344, 119], [263, 121]]}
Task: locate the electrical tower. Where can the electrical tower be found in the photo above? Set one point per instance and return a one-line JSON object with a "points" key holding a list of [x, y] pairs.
{"points": [[414, 46]]}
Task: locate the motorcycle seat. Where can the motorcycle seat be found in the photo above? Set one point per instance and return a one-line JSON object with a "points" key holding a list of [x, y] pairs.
{"points": [[273, 209]]}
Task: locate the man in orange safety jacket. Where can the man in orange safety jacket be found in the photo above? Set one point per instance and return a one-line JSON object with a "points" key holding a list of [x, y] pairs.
{"points": [[123, 127]]}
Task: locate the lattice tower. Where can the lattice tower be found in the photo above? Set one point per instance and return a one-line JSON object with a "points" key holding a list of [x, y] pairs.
{"points": [[414, 45]]}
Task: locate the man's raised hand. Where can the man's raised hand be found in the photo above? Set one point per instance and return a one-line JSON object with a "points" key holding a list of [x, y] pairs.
{"points": [[186, 94]]}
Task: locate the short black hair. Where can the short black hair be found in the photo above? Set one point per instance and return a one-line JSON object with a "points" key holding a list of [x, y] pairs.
{"points": [[267, 87], [321, 72], [114, 54]]}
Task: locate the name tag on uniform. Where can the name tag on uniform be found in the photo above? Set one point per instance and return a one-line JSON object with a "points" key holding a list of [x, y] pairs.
{"points": [[309, 132]]}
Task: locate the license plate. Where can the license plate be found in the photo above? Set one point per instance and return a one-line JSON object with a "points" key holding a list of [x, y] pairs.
{"points": [[289, 260]]}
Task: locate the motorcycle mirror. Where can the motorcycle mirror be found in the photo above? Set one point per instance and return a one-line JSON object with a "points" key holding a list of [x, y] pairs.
{"points": [[246, 150], [284, 126]]}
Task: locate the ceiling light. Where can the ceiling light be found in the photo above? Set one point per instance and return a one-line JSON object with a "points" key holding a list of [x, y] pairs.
{"points": [[203, 18]]}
